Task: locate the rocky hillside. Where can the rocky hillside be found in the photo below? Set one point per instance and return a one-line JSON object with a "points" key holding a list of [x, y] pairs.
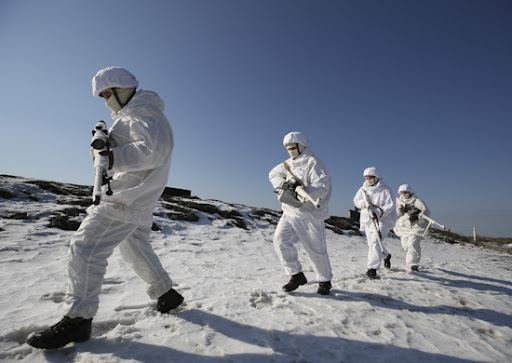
{"points": [[64, 206]]}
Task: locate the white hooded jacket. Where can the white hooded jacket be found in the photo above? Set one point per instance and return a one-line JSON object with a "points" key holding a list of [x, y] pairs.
{"points": [[142, 142], [315, 175], [379, 195], [403, 225]]}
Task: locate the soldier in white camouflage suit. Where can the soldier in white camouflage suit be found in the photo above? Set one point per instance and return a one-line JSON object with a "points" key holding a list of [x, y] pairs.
{"points": [[409, 226]]}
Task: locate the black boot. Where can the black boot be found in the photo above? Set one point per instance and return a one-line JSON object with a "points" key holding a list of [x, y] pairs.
{"points": [[168, 301], [65, 331], [414, 268], [295, 282], [372, 273], [324, 288], [387, 261]]}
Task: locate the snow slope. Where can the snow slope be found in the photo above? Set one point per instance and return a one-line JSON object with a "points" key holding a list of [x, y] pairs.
{"points": [[458, 308]]}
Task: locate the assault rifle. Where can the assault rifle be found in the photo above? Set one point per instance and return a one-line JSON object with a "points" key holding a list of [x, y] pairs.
{"points": [[413, 211], [373, 217], [301, 189], [100, 144], [430, 223]]}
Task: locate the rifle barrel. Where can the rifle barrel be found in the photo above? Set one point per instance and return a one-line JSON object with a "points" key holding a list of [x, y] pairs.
{"points": [[428, 219]]}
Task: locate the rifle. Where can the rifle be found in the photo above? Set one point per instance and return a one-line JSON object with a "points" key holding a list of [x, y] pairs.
{"points": [[300, 190], [373, 217], [100, 143], [430, 222]]}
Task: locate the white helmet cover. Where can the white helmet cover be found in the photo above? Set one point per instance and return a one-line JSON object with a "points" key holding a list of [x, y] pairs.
{"points": [[405, 188], [295, 137], [112, 77], [372, 171]]}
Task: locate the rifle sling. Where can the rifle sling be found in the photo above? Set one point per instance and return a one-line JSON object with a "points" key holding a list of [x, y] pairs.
{"points": [[294, 176]]}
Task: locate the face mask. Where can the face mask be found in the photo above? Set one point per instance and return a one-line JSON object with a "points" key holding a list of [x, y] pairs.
{"points": [[406, 195], [372, 181], [124, 94], [113, 104], [293, 150]]}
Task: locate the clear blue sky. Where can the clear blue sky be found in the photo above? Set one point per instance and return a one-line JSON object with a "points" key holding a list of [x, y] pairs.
{"points": [[420, 89]]}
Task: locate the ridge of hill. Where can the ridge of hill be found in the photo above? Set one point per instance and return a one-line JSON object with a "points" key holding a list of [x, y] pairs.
{"points": [[72, 200]]}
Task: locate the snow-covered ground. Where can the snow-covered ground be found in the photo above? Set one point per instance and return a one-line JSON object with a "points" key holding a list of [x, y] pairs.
{"points": [[458, 308]]}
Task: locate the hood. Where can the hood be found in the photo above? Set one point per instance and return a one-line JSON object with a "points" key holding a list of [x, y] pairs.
{"points": [[405, 188], [409, 200], [144, 99], [295, 137], [303, 156], [373, 172], [380, 186], [112, 77]]}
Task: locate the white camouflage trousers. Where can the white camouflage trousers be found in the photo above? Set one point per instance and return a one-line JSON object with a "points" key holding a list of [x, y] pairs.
{"points": [[311, 233], [412, 248], [376, 253], [90, 248]]}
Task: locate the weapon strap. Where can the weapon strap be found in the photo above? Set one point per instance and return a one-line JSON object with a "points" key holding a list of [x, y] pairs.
{"points": [[367, 198], [114, 91], [294, 176]]}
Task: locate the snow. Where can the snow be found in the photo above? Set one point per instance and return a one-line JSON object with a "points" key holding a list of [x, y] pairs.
{"points": [[458, 308]]}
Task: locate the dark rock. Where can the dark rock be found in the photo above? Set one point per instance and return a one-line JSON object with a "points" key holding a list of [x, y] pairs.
{"points": [[233, 213], [188, 216], [63, 222], [72, 212], [22, 215], [84, 202], [239, 222], [6, 194], [63, 188], [169, 193], [340, 224]]}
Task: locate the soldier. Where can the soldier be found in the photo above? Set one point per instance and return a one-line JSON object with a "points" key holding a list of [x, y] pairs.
{"points": [[409, 227], [139, 161], [382, 205], [302, 220]]}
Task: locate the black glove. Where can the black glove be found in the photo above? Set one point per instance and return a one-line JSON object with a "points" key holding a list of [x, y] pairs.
{"points": [[406, 208], [413, 218], [376, 207], [410, 209], [290, 184]]}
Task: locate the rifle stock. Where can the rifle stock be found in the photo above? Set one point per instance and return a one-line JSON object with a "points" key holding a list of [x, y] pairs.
{"points": [[302, 193]]}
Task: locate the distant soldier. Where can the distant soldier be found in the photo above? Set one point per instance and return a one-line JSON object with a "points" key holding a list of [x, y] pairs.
{"points": [[409, 226], [383, 213]]}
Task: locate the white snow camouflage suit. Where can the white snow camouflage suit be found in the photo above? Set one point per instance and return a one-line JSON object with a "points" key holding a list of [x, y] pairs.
{"points": [[379, 195], [142, 143], [304, 224], [410, 233]]}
